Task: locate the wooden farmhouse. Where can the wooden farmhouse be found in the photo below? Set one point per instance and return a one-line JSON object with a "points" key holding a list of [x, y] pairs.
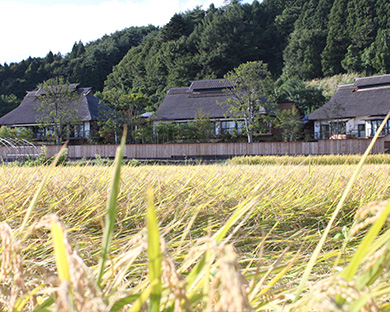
{"points": [[208, 98], [355, 110], [87, 110]]}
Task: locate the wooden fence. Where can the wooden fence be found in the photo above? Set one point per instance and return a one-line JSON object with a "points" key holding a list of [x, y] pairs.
{"points": [[223, 150], [216, 150]]}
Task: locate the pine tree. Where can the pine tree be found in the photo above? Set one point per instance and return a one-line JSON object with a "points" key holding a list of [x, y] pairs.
{"points": [[337, 40], [176, 28], [362, 29], [302, 54], [376, 58]]}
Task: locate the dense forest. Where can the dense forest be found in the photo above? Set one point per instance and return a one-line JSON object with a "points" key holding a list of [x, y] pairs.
{"points": [[299, 40]]}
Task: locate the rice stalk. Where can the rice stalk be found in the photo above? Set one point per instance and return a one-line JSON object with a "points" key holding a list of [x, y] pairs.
{"points": [[212, 221], [40, 189], [154, 253], [366, 244], [337, 210], [111, 210]]}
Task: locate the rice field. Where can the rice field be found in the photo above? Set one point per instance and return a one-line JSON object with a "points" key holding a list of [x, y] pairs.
{"points": [[228, 237]]}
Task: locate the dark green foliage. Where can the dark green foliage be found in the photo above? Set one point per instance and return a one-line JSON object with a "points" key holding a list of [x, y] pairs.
{"points": [[376, 58], [307, 98], [290, 124], [357, 34], [176, 28], [8, 103], [127, 108], [198, 131], [15, 133], [299, 38], [362, 31], [302, 55], [251, 96], [337, 39], [89, 65], [55, 109], [285, 21]]}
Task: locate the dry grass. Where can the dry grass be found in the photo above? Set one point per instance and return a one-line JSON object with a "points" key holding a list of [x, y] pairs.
{"points": [[330, 84], [232, 237]]}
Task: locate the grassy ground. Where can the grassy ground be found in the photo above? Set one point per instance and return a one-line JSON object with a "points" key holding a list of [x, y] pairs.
{"points": [[233, 238]]}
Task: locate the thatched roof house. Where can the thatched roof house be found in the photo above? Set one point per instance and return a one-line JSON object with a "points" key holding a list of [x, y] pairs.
{"points": [[87, 109], [355, 109], [207, 98]]}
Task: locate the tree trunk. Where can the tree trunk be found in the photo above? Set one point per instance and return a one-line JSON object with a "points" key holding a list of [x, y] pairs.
{"points": [[248, 122], [250, 137], [58, 136]]}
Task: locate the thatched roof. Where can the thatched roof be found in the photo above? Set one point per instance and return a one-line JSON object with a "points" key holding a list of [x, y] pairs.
{"points": [[202, 95], [212, 84], [366, 97], [88, 108]]}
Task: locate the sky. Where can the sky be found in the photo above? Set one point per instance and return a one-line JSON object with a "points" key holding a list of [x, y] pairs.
{"points": [[35, 27]]}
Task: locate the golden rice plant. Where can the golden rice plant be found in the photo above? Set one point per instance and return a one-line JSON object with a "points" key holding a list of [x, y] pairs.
{"points": [[195, 238], [312, 160]]}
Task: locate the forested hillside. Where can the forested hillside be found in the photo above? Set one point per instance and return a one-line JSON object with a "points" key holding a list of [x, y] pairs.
{"points": [[298, 39], [87, 64]]}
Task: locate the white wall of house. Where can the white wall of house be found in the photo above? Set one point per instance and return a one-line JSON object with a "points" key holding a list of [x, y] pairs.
{"points": [[361, 126], [87, 128], [374, 123], [358, 126]]}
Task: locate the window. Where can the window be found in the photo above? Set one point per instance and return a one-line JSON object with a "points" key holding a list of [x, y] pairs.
{"points": [[324, 132], [338, 127], [375, 124], [75, 131], [361, 130], [240, 126], [228, 126], [217, 127]]}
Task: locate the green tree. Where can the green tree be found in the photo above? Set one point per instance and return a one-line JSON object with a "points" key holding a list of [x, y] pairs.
{"points": [[176, 28], [77, 50], [127, 108], [58, 107], [290, 124], [302, 55], [167, 132], [376, 58], [8, 103], [362, 29], [307, 98], [145, 134], [251, 95], [285, 21], [201, 129], [337, 40], [16, 133], [204, 128]]}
